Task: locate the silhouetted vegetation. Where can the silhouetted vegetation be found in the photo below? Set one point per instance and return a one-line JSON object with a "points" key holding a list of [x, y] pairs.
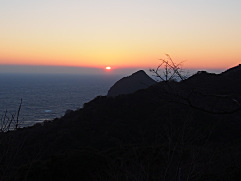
{"points": [[153, 134], [169, 71], [9, 121]]}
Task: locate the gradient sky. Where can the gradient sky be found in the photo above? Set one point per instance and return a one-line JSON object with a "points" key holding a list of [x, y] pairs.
{"points": [[120, 33]]}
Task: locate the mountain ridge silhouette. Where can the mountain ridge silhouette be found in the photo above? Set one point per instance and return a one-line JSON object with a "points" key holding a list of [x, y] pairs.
{"points": [[126, 85], [163, 131]]}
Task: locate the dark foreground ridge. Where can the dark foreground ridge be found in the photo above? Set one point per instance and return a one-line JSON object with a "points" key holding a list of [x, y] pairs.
{"points": [[189, 130]]}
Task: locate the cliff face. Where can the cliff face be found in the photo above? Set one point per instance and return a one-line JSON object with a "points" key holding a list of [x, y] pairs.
{"points": [[138, 80]]}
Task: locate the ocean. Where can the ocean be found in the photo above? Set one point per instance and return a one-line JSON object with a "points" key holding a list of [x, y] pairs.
{"points": [[45, 97]]}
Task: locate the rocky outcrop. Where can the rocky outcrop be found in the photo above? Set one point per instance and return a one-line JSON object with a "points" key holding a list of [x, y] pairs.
{"points": [[138, 80]]}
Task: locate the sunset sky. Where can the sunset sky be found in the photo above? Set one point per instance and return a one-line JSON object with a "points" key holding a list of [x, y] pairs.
{"points": [[120, 33]]}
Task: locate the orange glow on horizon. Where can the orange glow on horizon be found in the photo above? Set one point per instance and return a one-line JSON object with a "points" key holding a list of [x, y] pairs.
{"points": [[100, 35], [145, 63], [127, 60]]}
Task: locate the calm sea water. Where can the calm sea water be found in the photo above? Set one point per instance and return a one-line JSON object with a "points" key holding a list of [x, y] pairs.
{"points": [[48, 96]]}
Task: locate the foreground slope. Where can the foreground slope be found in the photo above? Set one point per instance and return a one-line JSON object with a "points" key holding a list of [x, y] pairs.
{"points": [[170, 131]]}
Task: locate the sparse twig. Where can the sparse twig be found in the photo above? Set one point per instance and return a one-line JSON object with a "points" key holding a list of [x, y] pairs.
{"points": [[17, 120], [169, 70], [9, 121]]}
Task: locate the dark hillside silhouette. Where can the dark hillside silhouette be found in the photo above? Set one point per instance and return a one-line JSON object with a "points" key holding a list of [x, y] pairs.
{"points": [[188, 130], [138, 80]]}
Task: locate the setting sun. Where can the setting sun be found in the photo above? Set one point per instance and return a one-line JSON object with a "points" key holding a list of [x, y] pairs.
{"points": [[108, 68]]}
